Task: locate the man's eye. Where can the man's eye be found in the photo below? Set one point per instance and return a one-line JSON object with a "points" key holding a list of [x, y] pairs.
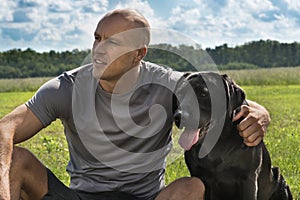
{"points": [[97, 38]]}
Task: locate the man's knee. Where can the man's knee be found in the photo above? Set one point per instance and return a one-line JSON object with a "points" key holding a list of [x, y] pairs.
{"points": [[187, 187], [195, 185], [21, 158], [25, 163], [193, 188], [27, 174]]}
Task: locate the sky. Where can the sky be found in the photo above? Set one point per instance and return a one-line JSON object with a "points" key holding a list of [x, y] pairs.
{"points": [[69, 24]]}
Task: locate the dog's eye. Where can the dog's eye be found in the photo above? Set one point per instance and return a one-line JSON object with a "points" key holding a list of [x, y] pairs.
{"points": [[204, 92]]}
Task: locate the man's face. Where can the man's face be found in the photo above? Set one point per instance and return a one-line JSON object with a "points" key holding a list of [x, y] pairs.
{"points": [[114, 52]]}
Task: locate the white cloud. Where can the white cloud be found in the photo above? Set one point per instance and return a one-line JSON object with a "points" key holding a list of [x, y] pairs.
{"points": [[6, 11], [55, 24], [59, 6], [256, 5], [144, 8], [189, 17], [94, 6], [68, 24], [202, 5], [141, 6], [235, 22], [293, 4]]}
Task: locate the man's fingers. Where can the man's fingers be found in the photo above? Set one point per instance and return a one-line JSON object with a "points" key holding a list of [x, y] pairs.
{"points": [[253, 127], [253, 134], [243, 112], [254, 142], [247, 126]]}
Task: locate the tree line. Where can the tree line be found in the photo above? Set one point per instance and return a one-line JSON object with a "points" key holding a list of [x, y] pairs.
{"points": [[17, 63]]}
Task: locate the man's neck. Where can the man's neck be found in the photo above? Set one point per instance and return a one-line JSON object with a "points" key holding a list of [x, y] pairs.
{"points": [[123, 84]]}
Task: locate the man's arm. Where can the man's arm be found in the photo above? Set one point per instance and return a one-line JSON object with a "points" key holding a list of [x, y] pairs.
{"points": [[254, 126], [17, 126]]}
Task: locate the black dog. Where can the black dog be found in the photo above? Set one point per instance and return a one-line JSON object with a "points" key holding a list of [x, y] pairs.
{"points": [[228, 168]]}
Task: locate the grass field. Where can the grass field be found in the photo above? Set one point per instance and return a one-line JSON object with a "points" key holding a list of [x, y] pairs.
{"points": [[281, 98]]}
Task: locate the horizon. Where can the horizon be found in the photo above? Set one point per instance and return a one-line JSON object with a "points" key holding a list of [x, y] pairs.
{"points": [[89, 49]]}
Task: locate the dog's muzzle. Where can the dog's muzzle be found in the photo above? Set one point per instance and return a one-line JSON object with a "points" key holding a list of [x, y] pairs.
{"points": [[180, 118]]}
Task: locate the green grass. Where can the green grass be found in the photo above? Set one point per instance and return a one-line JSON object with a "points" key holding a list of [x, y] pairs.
{"points": [[266, 76], [21, 84], [282, 139]]}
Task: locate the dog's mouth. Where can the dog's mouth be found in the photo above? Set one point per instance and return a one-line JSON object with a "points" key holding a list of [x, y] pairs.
{"points": [[204, 130], [190, 137]]}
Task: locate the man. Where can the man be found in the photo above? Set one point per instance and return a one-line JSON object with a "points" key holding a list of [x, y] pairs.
{"points": [[117, 114]]}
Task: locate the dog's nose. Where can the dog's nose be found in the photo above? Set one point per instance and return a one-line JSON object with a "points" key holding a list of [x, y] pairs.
{"points": [[177, 118], [181, 118]]}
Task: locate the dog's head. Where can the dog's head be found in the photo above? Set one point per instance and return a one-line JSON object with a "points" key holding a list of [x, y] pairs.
{"points": [[205, 98]]}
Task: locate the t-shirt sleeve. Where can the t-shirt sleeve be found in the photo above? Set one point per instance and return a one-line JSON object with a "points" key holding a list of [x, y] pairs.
{"points": [[45, 103]]}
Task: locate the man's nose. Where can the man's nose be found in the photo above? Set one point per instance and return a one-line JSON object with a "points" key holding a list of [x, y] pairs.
{"points": [[99, 47]]}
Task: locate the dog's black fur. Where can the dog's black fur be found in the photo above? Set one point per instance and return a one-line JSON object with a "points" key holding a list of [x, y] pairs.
{"points": [[231, 170]]}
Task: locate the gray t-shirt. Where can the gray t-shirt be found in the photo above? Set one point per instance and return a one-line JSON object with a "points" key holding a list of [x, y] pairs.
{"points": [[117, 142]]}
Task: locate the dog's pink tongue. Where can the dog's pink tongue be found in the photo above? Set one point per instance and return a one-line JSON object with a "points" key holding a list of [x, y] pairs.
{"points": [[188, 138]]}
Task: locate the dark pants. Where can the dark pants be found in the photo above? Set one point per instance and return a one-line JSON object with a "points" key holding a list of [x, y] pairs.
{"points": [[58, 191]]}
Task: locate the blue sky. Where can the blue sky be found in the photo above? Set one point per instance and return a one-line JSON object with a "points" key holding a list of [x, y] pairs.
{"points": [[69, 24]]}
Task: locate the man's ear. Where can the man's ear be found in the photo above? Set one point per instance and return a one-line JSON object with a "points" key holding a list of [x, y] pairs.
{"points": [[141, 53]]}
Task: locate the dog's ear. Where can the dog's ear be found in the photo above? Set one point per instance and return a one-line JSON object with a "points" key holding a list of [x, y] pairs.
{"points": [[235, 93], [225, 77], [228, 79], [186, 74]]}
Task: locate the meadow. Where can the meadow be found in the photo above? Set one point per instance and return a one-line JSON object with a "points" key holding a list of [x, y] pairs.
{"points": [[278, 89]]}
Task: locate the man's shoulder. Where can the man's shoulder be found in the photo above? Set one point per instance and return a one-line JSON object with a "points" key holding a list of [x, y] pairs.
{"points": [[162, 71], [63, 83], [52, 100], [153, 67], [70, 75]]}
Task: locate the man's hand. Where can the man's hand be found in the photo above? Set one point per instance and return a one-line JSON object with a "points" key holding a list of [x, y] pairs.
{"points": [[254, 126]]}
